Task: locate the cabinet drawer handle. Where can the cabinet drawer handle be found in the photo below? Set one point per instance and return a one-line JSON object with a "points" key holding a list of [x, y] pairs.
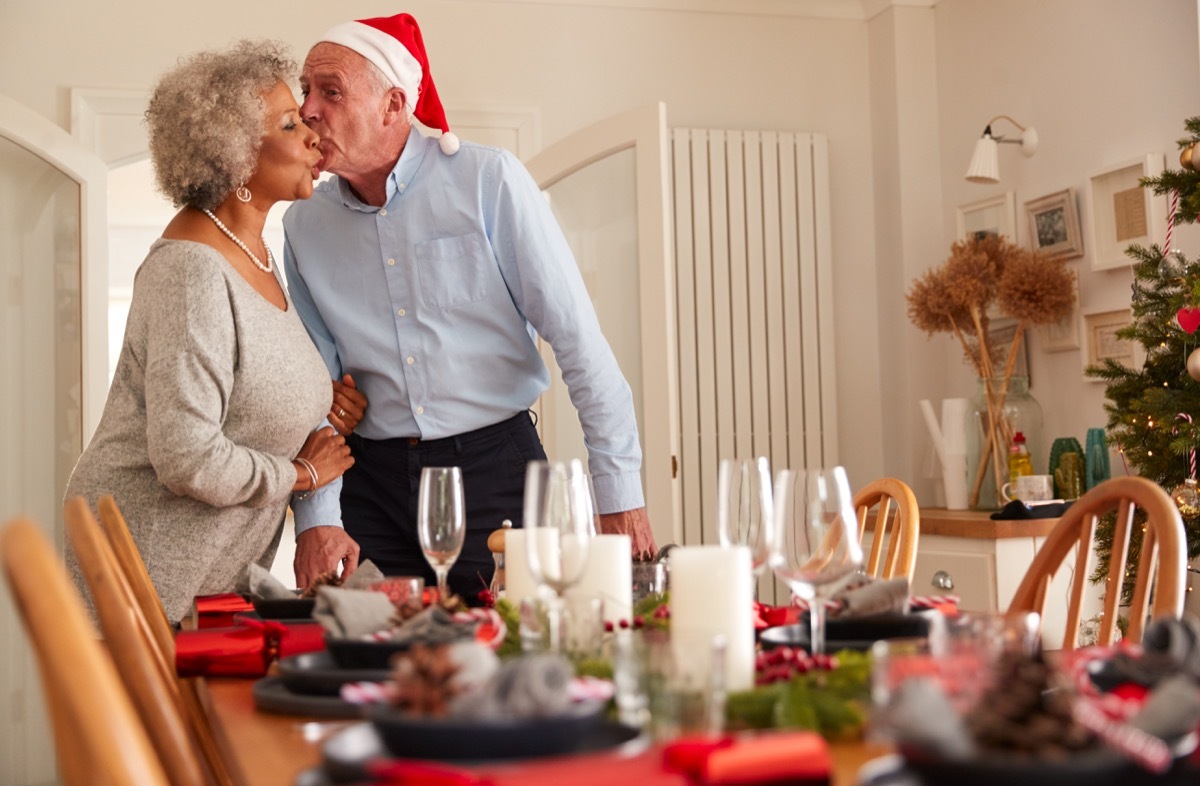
{"points": [[943, 580]]}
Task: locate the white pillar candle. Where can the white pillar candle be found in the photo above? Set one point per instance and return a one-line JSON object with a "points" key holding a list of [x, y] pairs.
{"points": [[609, 576], [518, 580], [712, 593]]}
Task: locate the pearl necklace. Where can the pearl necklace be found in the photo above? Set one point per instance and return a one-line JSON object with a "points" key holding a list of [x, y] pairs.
{"points": [[270, 259]]}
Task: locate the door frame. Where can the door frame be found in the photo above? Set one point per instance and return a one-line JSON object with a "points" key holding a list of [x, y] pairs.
{"points": [[644, 129]]}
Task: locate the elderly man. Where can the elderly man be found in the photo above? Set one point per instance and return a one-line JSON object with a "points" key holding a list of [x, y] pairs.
{"points": [[423, 271]]}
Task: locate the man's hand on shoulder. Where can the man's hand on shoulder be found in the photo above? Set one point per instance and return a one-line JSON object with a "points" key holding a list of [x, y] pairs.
{"points": [[634, 523], [322, 549]]}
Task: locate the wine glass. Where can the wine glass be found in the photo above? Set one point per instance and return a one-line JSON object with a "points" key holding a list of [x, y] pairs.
{"points": [[441, 521], [816, 549], [558, 525], [745, 508]]}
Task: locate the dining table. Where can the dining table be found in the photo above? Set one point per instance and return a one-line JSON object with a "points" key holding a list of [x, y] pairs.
{"points": [[268, 749]]}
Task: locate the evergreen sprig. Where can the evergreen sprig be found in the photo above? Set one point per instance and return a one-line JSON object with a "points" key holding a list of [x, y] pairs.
{"points": [[1185, 181]]}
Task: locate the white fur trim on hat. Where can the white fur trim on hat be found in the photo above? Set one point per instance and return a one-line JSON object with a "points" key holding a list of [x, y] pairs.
{"points": [[388, 55]]}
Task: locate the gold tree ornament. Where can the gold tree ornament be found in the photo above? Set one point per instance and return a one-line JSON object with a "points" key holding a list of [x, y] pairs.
{"points": [[956, 297]]}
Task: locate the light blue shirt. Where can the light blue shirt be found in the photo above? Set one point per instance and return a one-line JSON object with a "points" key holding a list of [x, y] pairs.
{"points": [[433, 304]]}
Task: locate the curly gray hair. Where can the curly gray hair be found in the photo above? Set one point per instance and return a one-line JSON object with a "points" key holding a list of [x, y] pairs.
{"points": [[207, 116]]}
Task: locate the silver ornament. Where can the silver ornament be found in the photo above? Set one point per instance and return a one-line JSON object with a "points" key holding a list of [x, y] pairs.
{"points": [[1173, 264]]}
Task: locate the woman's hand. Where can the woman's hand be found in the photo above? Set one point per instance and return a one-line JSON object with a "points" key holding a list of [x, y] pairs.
{"points": [[329, 455], [348, 405]]}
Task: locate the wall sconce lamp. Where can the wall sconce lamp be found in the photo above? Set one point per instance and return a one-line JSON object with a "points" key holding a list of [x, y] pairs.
{"points": [[985, 164]]}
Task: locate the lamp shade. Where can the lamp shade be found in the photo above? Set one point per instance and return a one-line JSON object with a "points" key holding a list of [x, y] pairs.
{"points": [[985, 164]]}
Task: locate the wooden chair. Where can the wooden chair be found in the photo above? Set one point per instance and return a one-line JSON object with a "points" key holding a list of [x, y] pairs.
{"points": [[129, 558], [150, 681], [1162, 564], [99, 738], [901, 530]]}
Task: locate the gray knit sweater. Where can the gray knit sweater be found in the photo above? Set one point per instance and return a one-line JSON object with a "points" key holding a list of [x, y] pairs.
{"points": [[215, 392]]}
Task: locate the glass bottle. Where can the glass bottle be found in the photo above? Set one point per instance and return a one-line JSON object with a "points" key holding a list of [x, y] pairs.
{"points": [[1018, 458], [1019, 412]]}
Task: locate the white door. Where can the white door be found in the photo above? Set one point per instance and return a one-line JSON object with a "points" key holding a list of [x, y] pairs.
{"points": [[609, 187], [54, 379]]}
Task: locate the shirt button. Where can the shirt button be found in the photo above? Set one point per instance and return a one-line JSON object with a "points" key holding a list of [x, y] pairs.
{"points": [[410, 360], [403, 186], [391, 261], [420, 410], [400, 311], [383, 212]]}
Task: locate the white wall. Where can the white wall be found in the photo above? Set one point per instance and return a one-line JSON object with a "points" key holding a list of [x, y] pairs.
{"points": [[1104, 81]]}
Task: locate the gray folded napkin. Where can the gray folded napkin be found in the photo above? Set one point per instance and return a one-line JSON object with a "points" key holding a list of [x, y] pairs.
{"points": [[875, 596], [363, 577], [433, 626], [352, 613], [1171, 710], [530, 686], [257, 580]]}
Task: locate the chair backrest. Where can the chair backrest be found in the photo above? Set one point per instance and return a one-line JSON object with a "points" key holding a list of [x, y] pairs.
{"points": [[153, 687], [134, 569], [897, 522], [129, 558], [1162, 563], [99, 738]]}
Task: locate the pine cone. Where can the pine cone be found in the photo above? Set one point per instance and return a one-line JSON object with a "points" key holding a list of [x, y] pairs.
{"points": [[329, 578], [424, 680]]}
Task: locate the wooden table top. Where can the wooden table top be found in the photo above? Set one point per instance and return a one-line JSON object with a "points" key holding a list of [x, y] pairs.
{"points": [[977, 525], [265, 749]]}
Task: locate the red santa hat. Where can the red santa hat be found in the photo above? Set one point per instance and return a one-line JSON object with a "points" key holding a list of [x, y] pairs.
{"points": [[394, 45]]}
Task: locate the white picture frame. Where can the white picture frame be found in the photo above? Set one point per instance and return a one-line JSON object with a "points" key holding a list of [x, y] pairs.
{"points": [[1062, 336], [1100, 341], [1121, 213], [996, 215]]}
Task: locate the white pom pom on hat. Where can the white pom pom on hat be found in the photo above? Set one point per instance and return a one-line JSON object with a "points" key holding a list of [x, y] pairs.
{"points": [[393, 44]]}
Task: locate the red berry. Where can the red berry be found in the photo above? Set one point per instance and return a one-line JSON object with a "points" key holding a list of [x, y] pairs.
{"points": [[624, 624], [608, 627]]}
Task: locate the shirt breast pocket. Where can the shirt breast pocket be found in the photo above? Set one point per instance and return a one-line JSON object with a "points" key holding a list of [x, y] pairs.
{"points": [[454, 270]]}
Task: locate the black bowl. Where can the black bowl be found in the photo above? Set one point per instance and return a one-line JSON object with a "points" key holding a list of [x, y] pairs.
{"points": [[858, 633], [363, 653], [1100, 767], [317, 674], [419, 737], [284, 608]]}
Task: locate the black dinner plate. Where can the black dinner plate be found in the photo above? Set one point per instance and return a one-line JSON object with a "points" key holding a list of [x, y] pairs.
{"points": [[363, 653], [283, 608], [346, 755], [271, 695], [317, 674], [420, 737], [1096, 768], [849, 634]]}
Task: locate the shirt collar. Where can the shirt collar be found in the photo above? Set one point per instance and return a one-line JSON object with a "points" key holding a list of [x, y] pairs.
{"points": [[406, 167]]}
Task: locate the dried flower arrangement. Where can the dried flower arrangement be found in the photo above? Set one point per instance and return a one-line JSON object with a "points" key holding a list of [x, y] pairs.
{"points": [[956, 296]]}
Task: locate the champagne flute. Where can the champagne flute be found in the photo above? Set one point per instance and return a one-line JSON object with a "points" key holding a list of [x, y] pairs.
{"points": [[745, 508], [816, 549], [441, 521], [558, 524]]}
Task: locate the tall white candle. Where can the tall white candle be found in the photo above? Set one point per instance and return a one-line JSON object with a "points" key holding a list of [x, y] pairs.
{"points": [[518, 580], [609, 576], [712, 593]]}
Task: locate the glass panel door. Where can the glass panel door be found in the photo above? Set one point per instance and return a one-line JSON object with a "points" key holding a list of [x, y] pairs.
{"points": [[608, 187], [41, 390]]}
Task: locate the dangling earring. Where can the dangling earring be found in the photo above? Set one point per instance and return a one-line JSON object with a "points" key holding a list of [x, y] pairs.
{"points": [[243, 193]]}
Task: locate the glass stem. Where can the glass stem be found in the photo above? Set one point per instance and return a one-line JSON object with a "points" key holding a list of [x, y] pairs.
{"points": [[443, 589], [816, 622], [554, 623]]}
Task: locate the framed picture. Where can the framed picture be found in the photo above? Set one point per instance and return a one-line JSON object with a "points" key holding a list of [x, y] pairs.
{"points": [[1063, 335], [1000, 337], [992, 216], [1123, 213], [1100, 334], [1054, 225]]}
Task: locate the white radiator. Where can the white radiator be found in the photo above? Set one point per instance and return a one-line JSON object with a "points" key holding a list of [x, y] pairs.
{"points": [[754, 308]]}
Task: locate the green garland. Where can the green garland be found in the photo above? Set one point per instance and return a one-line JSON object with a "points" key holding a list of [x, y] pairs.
{"points": [[832, 702]]}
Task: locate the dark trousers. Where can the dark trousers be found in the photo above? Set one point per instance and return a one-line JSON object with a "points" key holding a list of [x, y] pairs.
{"points": [[379, 497]]}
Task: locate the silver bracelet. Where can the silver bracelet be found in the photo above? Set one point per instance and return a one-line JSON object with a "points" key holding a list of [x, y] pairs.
{"points": [[312, 473]]}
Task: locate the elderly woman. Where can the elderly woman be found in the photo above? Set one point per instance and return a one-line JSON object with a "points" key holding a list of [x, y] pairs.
{"points": [[208, 430]]}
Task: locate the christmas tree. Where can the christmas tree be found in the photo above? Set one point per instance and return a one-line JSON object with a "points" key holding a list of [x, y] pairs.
{"points": [[1152, 410]]}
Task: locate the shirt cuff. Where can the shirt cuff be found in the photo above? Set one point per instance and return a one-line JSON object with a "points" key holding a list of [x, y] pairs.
{"points": [[321, 509], [618, 493]]}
